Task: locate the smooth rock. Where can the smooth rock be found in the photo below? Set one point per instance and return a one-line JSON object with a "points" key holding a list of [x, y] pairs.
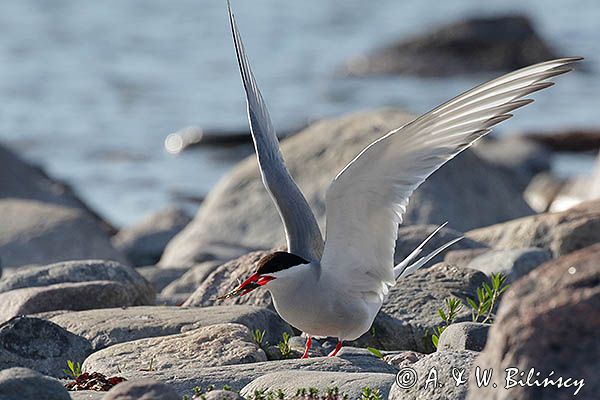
{"points": [[160, 278], [40, 345], [513, 263], [561, 233], [464, 336], [569, 140], [32, 232], [444, 362], [190, 281], [497, 43], [144, 243], [65, 296], [575, 191], [209, 346], [107, 327], [87, 395], [238, 376], [403, 359], [143, 389], [548, 321], [462, 258], [239, 215], [82, 271], [222, 395], [26, 384], [542, 190], [349, 383]]}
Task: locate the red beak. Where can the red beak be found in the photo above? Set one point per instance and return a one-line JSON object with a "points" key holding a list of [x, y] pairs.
{"points": [[253, 282]]}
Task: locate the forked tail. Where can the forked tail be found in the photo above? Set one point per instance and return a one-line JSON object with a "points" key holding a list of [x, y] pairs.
{"points": [[405, 268]]}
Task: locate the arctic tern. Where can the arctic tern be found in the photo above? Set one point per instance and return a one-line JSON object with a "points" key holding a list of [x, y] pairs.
{"points": [[335, 288]]}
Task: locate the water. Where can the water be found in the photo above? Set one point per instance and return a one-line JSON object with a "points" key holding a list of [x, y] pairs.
{"points": [[90, 89]]}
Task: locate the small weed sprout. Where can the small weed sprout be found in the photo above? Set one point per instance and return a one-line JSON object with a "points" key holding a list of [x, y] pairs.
{"points": [[375, 352], [453, 306], [259, 336], [284, 346], [370, 394], [487, 298], [74, 370]]}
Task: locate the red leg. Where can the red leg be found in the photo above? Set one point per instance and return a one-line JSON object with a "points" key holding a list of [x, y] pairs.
{"points": [[338, 346], [307, 348]]}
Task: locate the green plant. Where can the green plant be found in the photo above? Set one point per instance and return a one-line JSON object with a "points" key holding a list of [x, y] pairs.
{"points": [[375, 352], [487, 298], [259, 336], [453, 306], [284, 346], [370, 394], [74, 370]]}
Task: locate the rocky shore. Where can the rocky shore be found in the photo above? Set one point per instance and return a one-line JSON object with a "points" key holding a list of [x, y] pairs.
{"points": [[133, 314]]}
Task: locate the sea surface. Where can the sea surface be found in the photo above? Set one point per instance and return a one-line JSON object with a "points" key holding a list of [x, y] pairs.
{"points": [[90, 89]]}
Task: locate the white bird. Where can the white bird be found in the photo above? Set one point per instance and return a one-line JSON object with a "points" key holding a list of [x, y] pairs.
{"points": [[336, 288]]}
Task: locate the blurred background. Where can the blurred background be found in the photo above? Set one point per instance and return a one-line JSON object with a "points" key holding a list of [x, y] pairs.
{"points": [[91, 91]]}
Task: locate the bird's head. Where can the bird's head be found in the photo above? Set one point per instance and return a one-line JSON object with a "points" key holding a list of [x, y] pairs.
{"points": [[269, 268]]}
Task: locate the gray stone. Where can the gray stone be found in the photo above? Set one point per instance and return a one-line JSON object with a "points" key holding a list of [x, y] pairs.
{"points": [[403, 358], [87, 395], [513, 263], [145, 242], [209, 346], [82, 271], [238, 376], [108, 327], [160, 278], [32, 232], [464, 336], [561, 233], [409, 315], [40, 345], [143, 389], [26, 384], [444, 363], [496, 43], [542, 190], [239, 215], [350, 383], [222, 395], [549, 321], [462, 258], [189, 282], [65, 296]]}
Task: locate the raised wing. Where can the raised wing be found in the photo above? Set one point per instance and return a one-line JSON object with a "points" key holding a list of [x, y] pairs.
{"points": [[366, 200], [301, 229]]}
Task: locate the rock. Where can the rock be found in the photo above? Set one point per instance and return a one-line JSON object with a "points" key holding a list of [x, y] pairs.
{"points": [[160, 278], [222, 395], [238, 215], [176, 299], [409, 315], [40, 345], [190, 281], [410, 237], [444, 363], [498, 43], [107, 327], [462, 258], [87, 395], [561, 233], [570, 140], [25, 384], [209, 346], [143, 389], [403, 358], [548, 321], [574, 192], [138, 288], [65, 296], [513, 263], [32, 232], [145, 242], [464, 336], [238, 376], [350, 383], [542, 190]]}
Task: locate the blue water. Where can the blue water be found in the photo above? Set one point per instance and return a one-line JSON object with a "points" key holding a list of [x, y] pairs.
{"points": [[90, 90]]}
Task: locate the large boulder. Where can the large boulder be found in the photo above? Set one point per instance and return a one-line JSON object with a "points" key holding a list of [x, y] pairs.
{"points": [[238, 215], [32, 232], [40, 345], [209, 346], [144, 243], [142, 389], [139, 289], [514, 263], [464, 336], [26, 384], [498, 43], [547, 323], [107, 327], [561, 232]]}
